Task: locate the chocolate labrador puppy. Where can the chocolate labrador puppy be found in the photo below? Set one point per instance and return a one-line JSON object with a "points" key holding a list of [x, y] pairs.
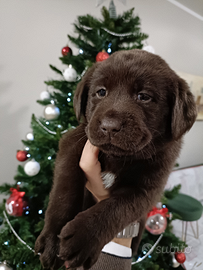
{"points": [[136, 110]]}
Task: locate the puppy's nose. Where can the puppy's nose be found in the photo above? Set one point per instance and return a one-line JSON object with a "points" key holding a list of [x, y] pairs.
{"points": [[110, 126]]}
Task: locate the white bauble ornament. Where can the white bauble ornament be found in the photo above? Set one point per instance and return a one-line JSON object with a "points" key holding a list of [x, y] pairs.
{"points": [[29, 136], [70, 74], [32, 167], [44, 95], [51, 112], [9, 209], [149, 48], [5, 266], [175, 263]]}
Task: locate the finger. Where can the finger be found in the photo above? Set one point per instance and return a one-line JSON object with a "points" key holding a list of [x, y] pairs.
{"points": [[67, 264], [96, 187], [89, 157]]}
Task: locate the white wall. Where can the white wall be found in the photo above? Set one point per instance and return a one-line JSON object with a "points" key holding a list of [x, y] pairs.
{"points": [[32, 34]]}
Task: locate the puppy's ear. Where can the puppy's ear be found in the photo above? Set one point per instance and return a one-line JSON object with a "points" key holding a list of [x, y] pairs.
{"points": [[81, 93], [184, 110]]}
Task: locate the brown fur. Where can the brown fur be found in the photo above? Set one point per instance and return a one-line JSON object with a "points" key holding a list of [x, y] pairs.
{"points": [[139, 141]]}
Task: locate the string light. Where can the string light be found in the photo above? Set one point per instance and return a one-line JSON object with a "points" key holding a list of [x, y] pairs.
{"points": [[110, 32], [149, 252], [40, 212], [50, 131]]}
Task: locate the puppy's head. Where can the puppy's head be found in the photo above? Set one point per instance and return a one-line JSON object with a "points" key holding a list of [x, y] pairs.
{"points": [[131, 102]]}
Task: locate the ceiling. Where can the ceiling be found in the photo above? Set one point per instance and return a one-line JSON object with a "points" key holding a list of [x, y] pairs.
{"points": [[194, 5]]}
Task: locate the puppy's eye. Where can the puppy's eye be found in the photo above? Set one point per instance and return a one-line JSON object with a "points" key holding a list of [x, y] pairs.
{"points": [[101, 93], [144, 97]]}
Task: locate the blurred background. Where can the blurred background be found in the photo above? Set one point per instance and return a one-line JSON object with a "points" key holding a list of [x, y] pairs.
{"points": [[32, 34]]}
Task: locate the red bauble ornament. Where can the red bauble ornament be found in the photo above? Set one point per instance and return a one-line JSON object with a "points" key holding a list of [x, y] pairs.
{"points": [[66, 50], [21, 155], [16, 203], [101, 56], [180, 257]]}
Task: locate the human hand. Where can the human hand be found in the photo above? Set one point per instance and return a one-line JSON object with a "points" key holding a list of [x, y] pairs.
{"points": [[91, 166]]}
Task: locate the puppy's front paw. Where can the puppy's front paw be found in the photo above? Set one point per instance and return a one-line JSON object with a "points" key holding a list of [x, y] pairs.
{"points": [[47, 244], [80, 242]]}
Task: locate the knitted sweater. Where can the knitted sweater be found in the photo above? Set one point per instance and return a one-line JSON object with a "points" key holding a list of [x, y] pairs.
{"points": [[111, 262]]}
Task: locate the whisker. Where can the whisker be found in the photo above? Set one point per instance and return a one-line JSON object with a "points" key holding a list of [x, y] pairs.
{"points": [[83, 137], [79, 133], [142, 154], [155, 131], [154, 148]]}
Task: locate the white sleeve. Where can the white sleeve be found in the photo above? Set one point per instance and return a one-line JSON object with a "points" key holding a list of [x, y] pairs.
{"points": [[117, 250]]}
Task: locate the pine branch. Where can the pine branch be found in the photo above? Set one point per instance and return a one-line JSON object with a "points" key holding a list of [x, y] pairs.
{"points": [[55, 69]]}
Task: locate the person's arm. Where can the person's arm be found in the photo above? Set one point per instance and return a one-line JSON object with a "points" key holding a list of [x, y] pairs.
{"points": [[117, 253]]}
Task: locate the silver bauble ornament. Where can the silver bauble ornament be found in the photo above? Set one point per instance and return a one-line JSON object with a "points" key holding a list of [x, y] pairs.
{"points": [[149, 48], [175, 263], [51, 112], [44, 95], [159, 205], [5, 266], [70, 74], [30, 137], [32, 168], [156, 224]]}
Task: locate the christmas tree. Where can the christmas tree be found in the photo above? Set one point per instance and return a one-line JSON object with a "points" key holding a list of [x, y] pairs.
{"points": [[23, 215]]}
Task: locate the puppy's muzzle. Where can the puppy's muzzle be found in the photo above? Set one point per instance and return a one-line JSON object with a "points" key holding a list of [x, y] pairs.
{"points": [[110, 126]]}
